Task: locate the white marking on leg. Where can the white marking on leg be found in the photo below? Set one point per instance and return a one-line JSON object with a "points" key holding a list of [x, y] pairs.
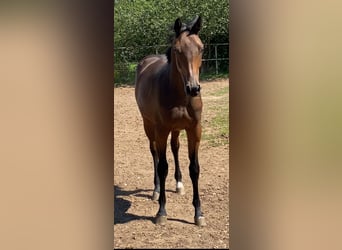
{"points": [[180, 188]]}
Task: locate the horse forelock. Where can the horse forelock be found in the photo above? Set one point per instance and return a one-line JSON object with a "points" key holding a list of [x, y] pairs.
{"points": [[168, 51]]}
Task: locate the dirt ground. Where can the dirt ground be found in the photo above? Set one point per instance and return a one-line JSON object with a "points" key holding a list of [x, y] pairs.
{"points": [[134, 210]]}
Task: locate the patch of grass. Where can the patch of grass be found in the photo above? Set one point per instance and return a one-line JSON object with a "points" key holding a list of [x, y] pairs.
{"points": [[211, 76], [216, 132], [221, 92], [219, 133], [182, 135]]}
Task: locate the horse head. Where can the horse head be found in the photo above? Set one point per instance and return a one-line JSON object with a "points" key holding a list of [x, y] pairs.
{"points": [[186, 52]]}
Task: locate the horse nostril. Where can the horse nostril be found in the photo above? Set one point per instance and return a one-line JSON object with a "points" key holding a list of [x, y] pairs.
{"points": [[193, 91]]}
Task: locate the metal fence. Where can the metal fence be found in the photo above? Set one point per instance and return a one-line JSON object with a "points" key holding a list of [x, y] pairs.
{"points": [[221, 54], [215, 59]]}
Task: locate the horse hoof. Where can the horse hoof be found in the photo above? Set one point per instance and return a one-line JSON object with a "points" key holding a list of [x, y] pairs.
{"points": [[161, 220], [180, 190], [155, 196], [200, 221]]}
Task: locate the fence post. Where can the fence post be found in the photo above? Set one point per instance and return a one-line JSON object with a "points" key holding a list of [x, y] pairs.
{"points": [[216, 63]]}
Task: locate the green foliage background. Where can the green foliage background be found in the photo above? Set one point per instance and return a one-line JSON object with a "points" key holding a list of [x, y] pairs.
{"points": [[148, 22], [141, 23]]}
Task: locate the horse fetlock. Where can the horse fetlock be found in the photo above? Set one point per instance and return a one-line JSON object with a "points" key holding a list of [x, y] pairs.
{"points": [[180, 188], [155, 195]]}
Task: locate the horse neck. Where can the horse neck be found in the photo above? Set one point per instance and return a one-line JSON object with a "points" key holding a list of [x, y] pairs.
{"points": [[176, 83]]}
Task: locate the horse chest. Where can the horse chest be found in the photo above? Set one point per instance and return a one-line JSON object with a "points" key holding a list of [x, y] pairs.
{"points": [[180, 117]]}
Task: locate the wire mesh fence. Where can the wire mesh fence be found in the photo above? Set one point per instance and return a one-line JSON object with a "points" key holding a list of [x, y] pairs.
{"points": [[215, 60]]}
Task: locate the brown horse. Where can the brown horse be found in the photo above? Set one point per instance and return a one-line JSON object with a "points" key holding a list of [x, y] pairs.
{"points": [[168, 95]]}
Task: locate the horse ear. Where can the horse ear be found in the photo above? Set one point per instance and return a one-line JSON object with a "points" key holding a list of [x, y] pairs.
{"points": [[177, 27], [197, 25]]}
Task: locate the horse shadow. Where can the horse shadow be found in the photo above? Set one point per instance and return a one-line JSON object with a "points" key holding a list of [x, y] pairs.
{"points": [[121, 206]]}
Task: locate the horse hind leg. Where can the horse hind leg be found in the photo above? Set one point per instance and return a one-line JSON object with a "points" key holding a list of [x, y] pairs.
{"points": [[161, 141], [149, 130], [178, 174], [156, 181]]}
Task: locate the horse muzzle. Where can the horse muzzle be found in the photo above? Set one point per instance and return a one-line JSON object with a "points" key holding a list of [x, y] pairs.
{"points": [[193, 90]]}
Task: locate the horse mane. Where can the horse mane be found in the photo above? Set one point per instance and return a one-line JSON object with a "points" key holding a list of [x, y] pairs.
{"points": [[168, 54]]}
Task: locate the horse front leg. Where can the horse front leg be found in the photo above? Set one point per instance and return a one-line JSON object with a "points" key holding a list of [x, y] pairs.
{"points": [[161, 141], [194, 137], [178, 173]]}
